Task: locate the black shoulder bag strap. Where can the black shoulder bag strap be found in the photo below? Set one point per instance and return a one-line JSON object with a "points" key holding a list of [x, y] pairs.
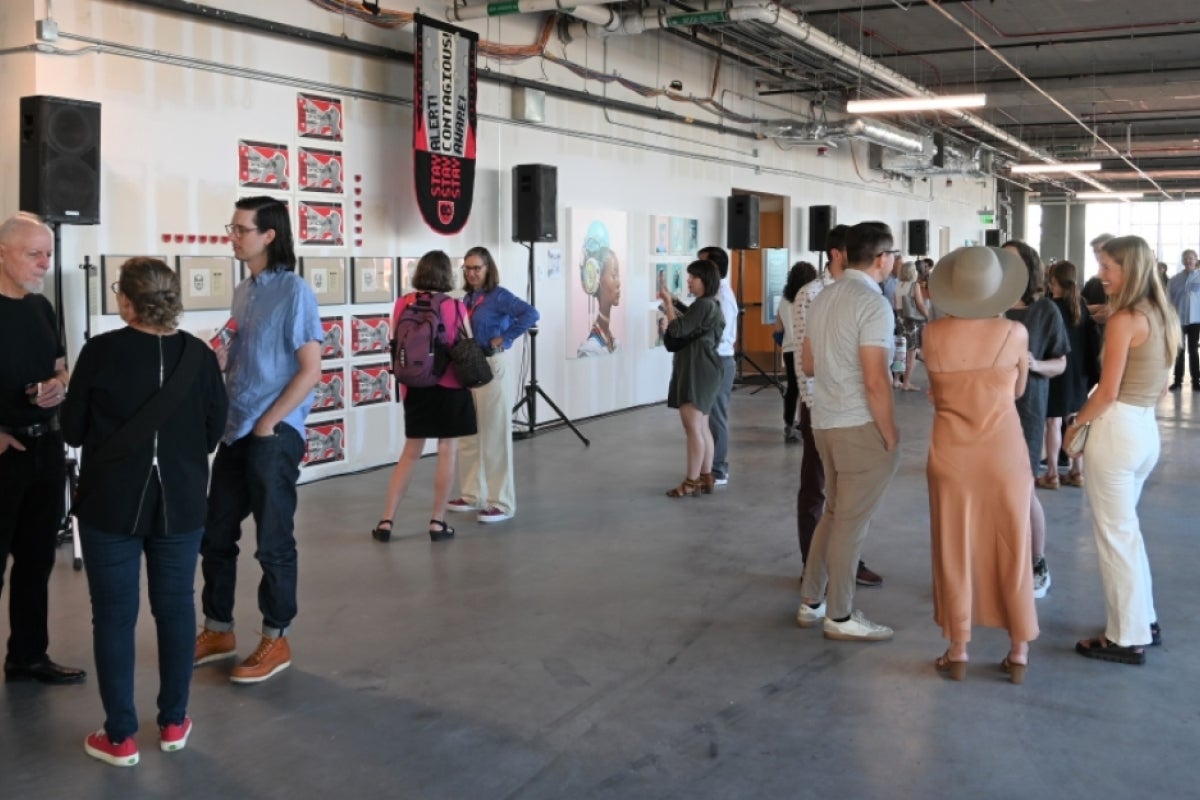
{"points": [[151, 415]]}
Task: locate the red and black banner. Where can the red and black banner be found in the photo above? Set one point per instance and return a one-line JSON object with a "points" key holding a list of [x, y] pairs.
{"points": [[444, 123]]}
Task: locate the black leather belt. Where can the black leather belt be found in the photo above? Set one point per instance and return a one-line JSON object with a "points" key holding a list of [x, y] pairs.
{"points": [[31, 431]]}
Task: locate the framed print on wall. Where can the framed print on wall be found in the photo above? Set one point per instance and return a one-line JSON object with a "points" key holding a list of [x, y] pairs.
{"points": [[373, 280], [327, 278], [206, 282]]}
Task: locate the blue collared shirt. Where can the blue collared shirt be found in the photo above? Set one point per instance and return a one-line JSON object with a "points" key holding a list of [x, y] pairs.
{"points": [[1184, 291], [276, 314], [499, 313]]}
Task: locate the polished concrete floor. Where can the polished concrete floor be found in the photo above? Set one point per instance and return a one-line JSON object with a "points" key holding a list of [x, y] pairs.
{"points": [[612, 643]]}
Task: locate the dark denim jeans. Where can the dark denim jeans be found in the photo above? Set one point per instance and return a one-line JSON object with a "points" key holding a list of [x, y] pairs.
{"points": [[114, 562], [32, 491], [256, 475]]}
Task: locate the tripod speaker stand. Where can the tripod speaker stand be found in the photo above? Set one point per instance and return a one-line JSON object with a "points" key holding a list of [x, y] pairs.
{"points": [[532, 390], [739, 349]]}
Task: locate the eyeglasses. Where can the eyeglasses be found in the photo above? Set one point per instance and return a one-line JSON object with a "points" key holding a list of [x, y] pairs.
{"points": [[892, 253], [116, 287], [239, 230]]}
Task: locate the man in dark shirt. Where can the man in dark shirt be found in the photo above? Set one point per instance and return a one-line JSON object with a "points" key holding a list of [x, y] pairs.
{"points": [[33, 382], [1093, 291]]}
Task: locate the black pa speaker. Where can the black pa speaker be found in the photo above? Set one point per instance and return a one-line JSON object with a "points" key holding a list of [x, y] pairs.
{"points": [[60, 159], [991, 237], [534, 203], [918, 237], [821, 220], [741, 222]]}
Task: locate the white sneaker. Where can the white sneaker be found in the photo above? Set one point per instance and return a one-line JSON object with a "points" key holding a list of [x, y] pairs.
{"points": [[809, 617], [721, 481], [461, 505], [856, 629]]}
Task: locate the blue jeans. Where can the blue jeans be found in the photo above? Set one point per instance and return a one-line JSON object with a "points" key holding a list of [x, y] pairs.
{"points": [[114, 563], [256, 475]]}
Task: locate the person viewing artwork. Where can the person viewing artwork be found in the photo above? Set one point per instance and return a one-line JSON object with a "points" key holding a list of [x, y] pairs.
{"points": [[1140, 343], [444, 411], [148, 405], [979, 484], [799, 275], [695, 372], [498, 319]]}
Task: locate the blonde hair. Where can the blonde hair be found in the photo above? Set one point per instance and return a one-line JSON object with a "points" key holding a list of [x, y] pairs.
{"points": [[1139, 266]]}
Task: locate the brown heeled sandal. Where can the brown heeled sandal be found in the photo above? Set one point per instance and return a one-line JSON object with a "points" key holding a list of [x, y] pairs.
{"points": [[1016, 672], [708, 483], [955, 670], [689, 488], [1073, 479], [1048, 481]]}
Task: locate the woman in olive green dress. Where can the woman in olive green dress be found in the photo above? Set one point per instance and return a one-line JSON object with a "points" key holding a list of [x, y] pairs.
{"points": [[696, 372]]}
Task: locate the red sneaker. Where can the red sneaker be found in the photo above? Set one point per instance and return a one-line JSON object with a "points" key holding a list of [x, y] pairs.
{"points": [[174, 737], [98, 745], [461, 505]]}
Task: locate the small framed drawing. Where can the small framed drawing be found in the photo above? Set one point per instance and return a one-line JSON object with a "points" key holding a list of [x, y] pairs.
{"points": [[327, 277], [374, 280], [206, 281], [408, 268], [110, 273]]}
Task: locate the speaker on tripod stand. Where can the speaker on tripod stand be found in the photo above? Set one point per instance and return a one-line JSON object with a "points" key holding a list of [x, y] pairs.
{"points": [[535, 219]]}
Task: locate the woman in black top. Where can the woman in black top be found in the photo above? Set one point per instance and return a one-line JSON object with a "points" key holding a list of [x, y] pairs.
{"points": [[147, 404]]}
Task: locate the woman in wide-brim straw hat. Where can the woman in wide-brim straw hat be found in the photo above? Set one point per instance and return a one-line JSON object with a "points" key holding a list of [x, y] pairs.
{"points": [[979, 481]]}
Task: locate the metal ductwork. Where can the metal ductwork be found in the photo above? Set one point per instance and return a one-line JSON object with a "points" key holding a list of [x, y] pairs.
{"points": [[821, 134], [944, 157]]}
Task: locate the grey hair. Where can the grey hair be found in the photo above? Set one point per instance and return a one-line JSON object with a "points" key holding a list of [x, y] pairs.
{"points": [[21, 219]]}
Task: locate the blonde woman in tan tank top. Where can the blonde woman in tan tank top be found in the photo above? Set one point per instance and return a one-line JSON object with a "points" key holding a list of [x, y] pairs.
{"points": [[1140, 341]]}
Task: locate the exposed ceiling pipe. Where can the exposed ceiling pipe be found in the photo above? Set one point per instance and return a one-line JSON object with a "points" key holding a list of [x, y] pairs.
{"points": [[589, 10], [870, 130], [789, 23], [1098, 138]]}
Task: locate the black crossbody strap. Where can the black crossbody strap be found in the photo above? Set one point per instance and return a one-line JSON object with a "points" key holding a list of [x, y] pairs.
{"points": [[150, 416]]}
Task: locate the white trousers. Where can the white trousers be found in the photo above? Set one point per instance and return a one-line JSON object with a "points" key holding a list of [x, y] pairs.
{"points": [[485, 459], [1122, 449]]}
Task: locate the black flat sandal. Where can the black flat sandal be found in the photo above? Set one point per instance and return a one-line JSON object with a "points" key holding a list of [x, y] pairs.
{"points": [[445, 532], [1104, 650], [380, 533]]}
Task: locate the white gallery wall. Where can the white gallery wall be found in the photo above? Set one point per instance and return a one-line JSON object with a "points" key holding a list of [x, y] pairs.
{"points": [[178, 93]]}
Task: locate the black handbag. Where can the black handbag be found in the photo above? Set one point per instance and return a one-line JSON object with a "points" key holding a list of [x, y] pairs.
{"points": [[470, 364]]}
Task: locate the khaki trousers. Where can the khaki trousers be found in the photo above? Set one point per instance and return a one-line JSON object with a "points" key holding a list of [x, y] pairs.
{"points": [[858, 470], [485, 459]]}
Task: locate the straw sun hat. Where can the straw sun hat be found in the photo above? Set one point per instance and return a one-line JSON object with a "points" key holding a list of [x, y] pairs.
{"points": [[978, 282]]}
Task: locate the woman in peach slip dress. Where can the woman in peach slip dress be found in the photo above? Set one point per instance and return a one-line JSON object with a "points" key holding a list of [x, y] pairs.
{"points": [[979, 486]]}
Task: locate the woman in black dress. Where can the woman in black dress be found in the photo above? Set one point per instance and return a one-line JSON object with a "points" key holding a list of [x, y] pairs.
{"points": [[696, 372], [1069, 390]]}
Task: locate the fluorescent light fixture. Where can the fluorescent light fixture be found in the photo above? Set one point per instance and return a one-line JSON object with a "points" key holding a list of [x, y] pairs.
{"points": [[901, 104], [1109, 195], [1079, 166]]}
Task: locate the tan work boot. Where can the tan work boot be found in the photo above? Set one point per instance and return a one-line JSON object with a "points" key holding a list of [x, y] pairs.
{"points": [[214, 645], [270, 658]]}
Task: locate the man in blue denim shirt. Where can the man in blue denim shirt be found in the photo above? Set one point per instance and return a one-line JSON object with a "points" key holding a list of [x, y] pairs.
{"points": [[272, 364]]}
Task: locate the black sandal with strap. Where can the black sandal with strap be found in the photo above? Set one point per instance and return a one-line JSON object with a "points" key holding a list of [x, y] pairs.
{"points": [[380, 533], [1101, 648], [444, 531]]}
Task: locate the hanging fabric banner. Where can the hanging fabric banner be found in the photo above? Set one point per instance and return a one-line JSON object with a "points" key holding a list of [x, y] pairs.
{"points": [[444, 122]]}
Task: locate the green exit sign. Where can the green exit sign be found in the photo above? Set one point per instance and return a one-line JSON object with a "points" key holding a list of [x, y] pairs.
{"points": [[987, 219]]}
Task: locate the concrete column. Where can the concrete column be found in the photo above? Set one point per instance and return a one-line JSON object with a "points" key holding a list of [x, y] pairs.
{"points": [[1054, 233], [1077, 246]]}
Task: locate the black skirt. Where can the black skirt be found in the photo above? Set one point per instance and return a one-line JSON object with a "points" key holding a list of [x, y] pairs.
{"points": [[435, 412]]}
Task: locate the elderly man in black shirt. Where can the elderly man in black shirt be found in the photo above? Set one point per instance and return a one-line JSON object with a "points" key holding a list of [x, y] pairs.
{"points": [[33, 381]]}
